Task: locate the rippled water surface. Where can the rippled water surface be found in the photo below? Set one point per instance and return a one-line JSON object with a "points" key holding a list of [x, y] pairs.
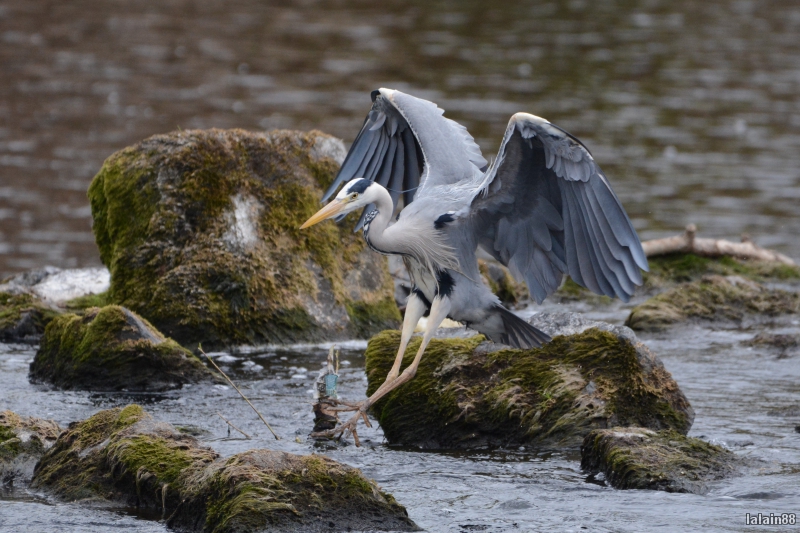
{"points": [[691, 107], [747, 399]]}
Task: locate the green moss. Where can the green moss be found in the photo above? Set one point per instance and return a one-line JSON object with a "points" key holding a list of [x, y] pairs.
{"points": [[368, 318], [502, 283], [679, 268], [712, 298], [463, 397], [14, 308], [635, 458], [10, 445], [178, 265], [125, 456], [112, 348], [88, 301]]}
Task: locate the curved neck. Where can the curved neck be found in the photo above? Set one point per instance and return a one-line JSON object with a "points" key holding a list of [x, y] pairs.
{"points": [[385, 207]]}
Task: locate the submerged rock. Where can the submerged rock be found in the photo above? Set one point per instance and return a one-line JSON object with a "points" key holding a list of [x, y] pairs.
{"points": [[123, 455], [470, 393], [112, 349], [729, 298], [22, 442], [23, 318], [639, 458], [200, 230]]}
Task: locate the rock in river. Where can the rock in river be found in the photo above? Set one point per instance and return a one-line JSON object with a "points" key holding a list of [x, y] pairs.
{"points": [[123, 455], [725, 298], [639, 458], [23, 441], [23, 317], [470, 393], [200, 230], [112, 349]]}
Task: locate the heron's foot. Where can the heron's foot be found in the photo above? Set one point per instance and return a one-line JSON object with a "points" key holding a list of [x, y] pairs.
{"points": [[350, 427]]}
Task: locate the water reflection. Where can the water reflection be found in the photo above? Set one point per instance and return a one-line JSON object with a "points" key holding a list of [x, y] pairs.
{"points": [[691, 107]]}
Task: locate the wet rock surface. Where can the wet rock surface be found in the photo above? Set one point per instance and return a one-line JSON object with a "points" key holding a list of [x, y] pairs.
{"points": [[670, 269], [639, 458], [124, 456], [200, 230], [720, 298], [112, 348], [23, 441], [23, 317], [469, 393]]}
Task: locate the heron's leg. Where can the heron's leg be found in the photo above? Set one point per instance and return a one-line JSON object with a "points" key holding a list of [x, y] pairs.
{"points": [[415, 308], [440, 308], [439, 311]]}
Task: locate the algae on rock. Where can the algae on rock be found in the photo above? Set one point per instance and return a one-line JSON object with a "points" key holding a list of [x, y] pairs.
{"points": [[729, 298], [112, 349], [470, 393], [683, 267], [123, 455], [23, 317], [639, 458], [200, 230], [23, 440]]}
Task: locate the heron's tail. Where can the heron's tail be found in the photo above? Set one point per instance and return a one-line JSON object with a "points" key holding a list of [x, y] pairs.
{"points": [[516, 332]]}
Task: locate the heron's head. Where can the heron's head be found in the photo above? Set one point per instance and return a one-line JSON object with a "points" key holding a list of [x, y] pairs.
{"points": [[356, 194]]}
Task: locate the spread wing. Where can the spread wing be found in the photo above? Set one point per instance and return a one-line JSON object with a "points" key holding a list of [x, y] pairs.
{"points": [[406, 144], [545, 208]]}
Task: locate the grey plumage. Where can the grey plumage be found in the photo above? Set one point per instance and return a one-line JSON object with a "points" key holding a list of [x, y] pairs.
{"points": [[543, 208]]}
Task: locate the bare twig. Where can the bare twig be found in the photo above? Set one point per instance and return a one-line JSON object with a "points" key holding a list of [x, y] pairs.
{"points": [[231, 425], [199, 347], [689, 243]]}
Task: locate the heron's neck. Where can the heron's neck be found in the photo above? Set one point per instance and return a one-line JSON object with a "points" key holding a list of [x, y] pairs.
{"points": [[377, 227]]}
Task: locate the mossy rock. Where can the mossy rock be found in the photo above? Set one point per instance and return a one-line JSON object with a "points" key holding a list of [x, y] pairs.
{"points": [[499, 279], [471, 393], [683, 267], [23, 317], [730, 298], [23, 440], [112, 348], [200, 230], [123, 455], [639, 458]]}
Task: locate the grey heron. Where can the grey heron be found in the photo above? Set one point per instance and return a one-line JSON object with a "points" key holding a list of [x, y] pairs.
{"points": [[543, 208]]}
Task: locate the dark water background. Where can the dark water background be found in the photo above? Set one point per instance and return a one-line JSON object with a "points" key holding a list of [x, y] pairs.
{"points": [[691, 107]]}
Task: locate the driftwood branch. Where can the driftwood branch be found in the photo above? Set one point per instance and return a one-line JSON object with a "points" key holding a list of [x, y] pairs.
{"points": [[230, 425], [240, 393], [690, 243]]}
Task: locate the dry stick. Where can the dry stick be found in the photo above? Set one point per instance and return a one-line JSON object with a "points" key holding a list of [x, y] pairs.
{"points": [[231, 425], [689, 242], [240, 392]]}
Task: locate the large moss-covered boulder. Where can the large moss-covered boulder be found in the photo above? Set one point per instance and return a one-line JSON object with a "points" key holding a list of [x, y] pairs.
{"points": [[23, 317], [471, 393], [23, 440], [200, 230], [112, 348], [639, 458], [722, 298], [125, 456]]}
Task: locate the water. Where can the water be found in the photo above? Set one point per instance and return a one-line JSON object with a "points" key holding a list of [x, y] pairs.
{"points": [[690, 107], [746, 398]]}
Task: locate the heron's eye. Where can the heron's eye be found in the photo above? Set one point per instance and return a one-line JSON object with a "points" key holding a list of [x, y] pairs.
{"points": [[353, 196]]}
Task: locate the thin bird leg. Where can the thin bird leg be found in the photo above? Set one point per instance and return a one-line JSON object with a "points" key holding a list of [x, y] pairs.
{"points": [[415, 308], [440, 308], [439, 311]]}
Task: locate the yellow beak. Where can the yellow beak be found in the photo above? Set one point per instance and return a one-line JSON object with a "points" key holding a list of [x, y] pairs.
{"points": [[330, 210]]}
